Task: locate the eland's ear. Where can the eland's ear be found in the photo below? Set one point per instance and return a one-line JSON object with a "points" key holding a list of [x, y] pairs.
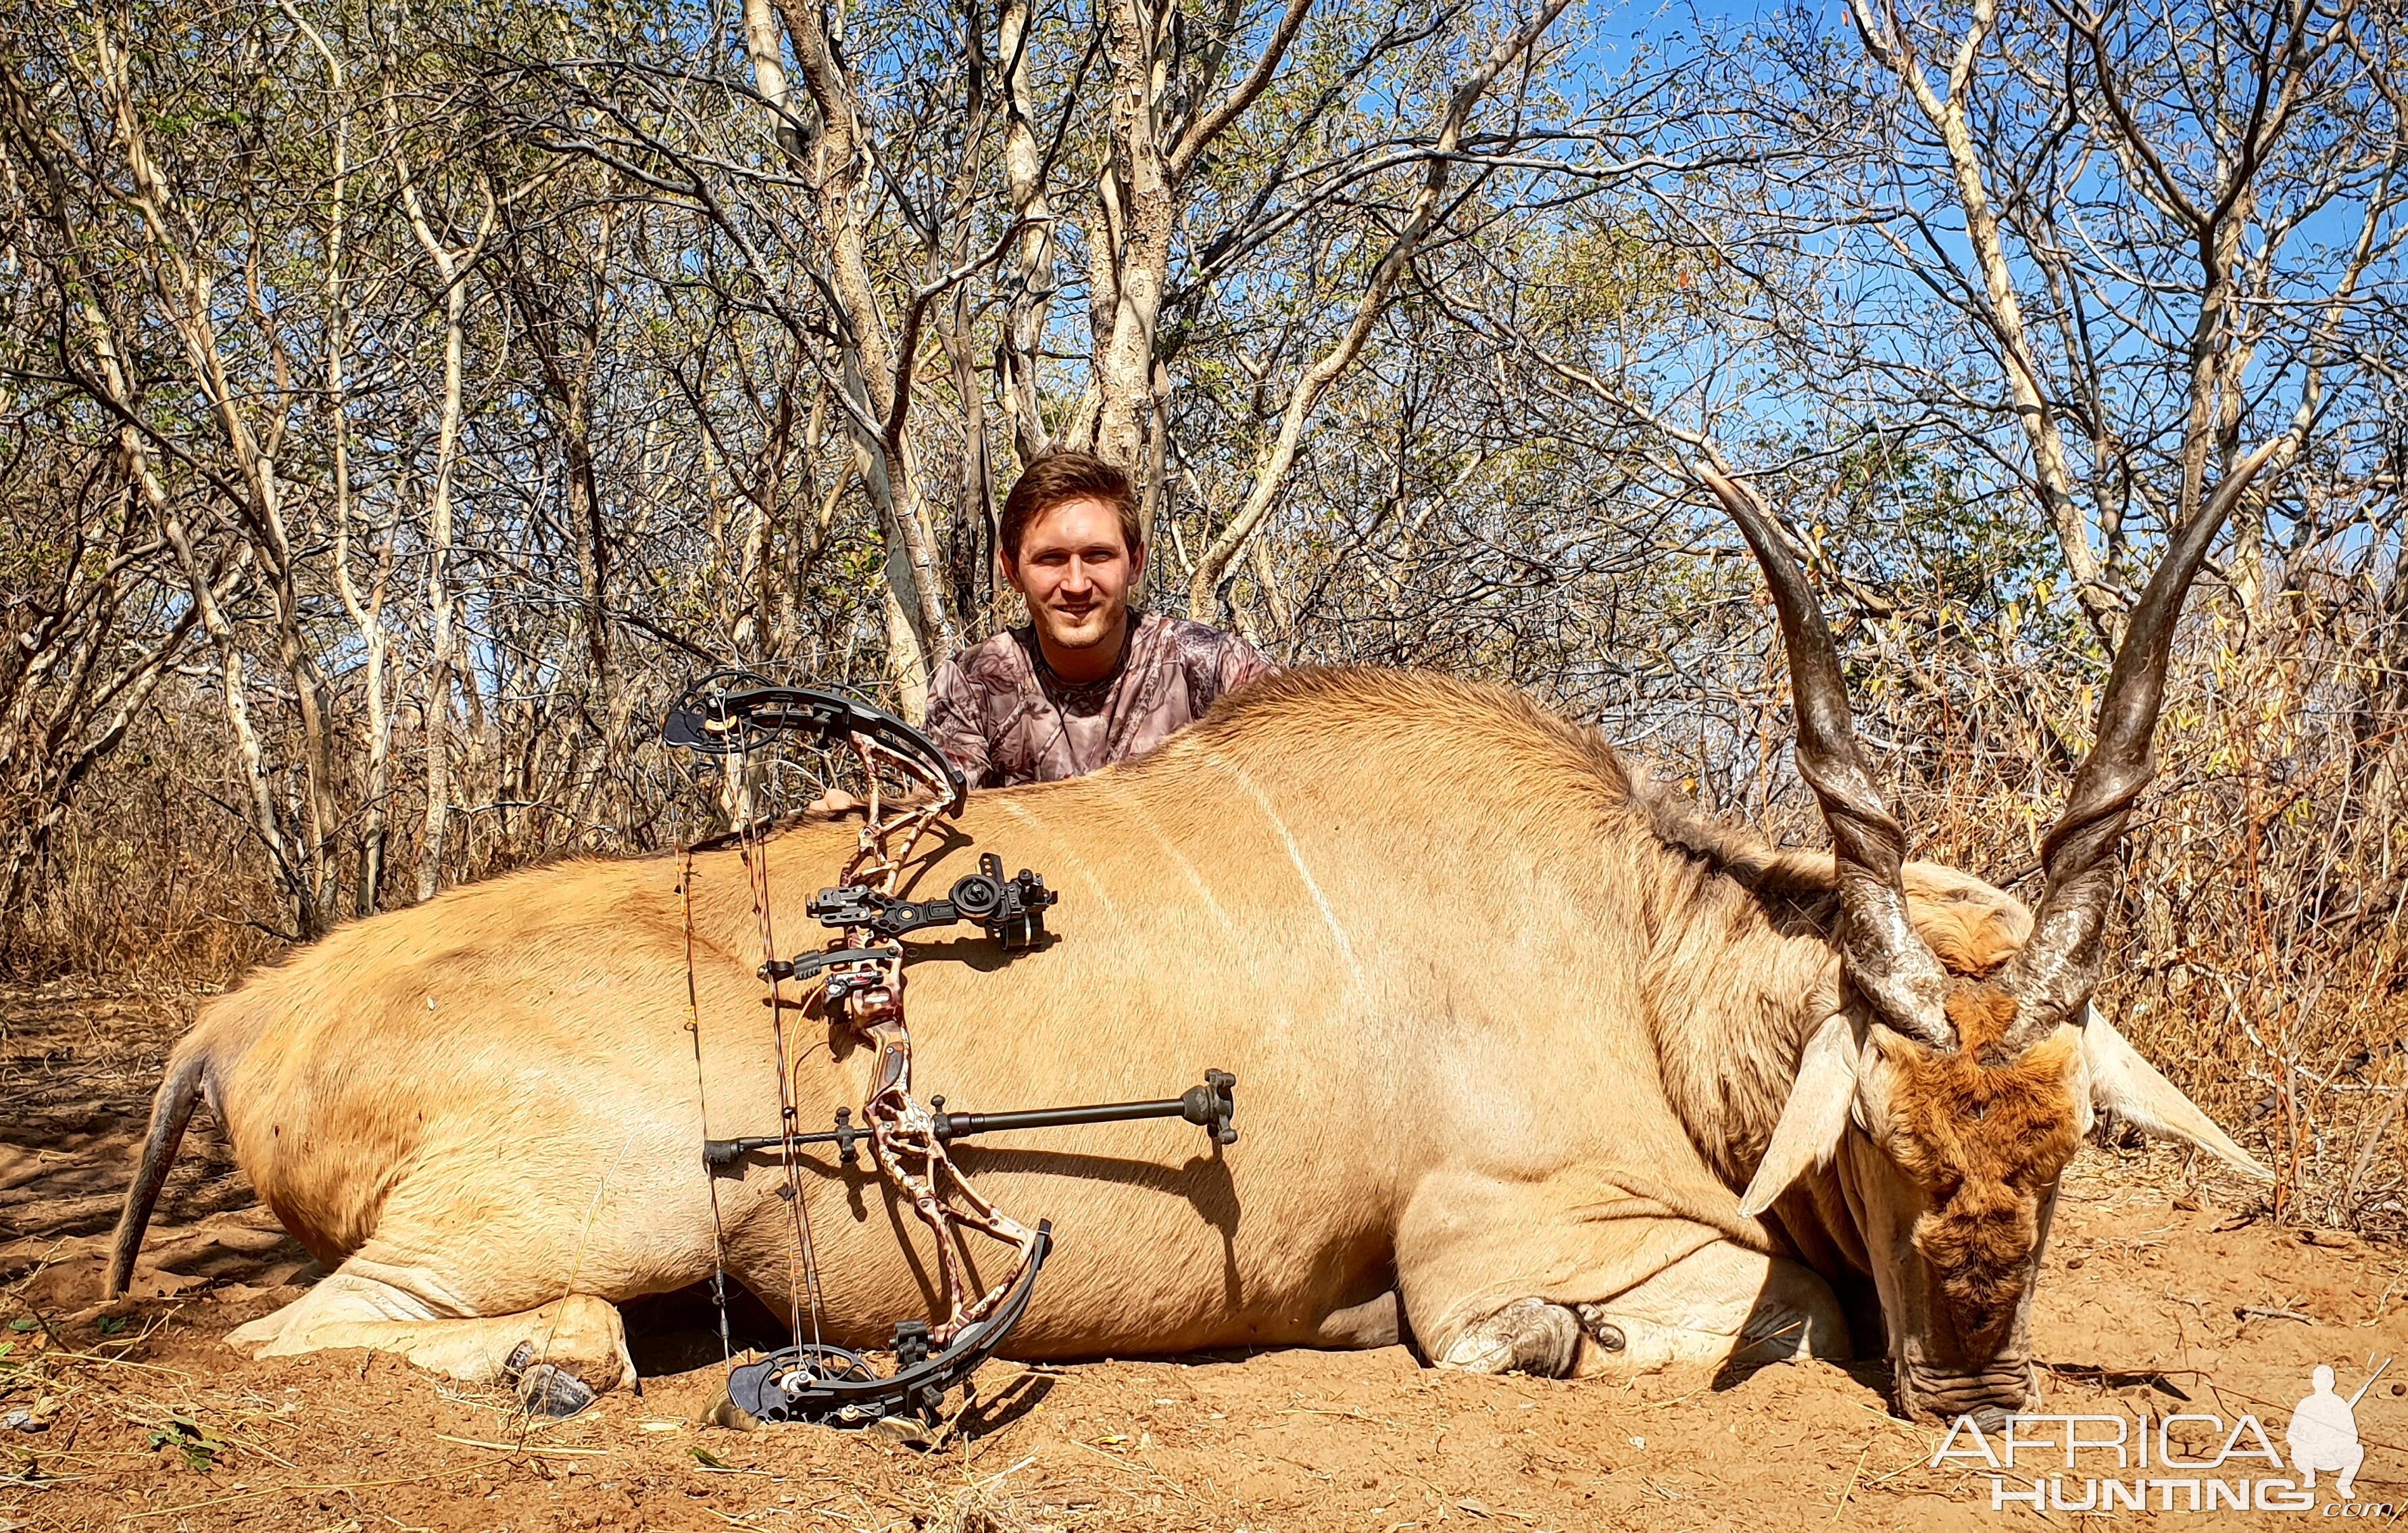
{"points": [[2129, 1087], [1814, 1117]]}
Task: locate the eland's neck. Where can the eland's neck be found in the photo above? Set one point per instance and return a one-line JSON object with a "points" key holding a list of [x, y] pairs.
{"points": [[1736, 984]]}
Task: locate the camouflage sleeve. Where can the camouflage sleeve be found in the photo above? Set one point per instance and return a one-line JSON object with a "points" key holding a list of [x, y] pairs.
{"points": [[953, 723], [1239, 662]]}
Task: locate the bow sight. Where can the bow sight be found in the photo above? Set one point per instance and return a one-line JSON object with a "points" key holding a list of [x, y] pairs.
{"points": [[860, 982], [1013, 912]]}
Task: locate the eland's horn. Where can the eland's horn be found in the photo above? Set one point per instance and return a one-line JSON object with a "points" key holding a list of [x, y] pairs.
{"points": [[2058, 966], [1886, 958]]}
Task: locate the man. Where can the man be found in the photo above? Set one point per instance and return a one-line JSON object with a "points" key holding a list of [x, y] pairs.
{"points": [[1085, 684]]}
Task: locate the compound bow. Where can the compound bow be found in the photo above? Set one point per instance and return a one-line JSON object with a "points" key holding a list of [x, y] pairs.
{"points": [[860, 980]]}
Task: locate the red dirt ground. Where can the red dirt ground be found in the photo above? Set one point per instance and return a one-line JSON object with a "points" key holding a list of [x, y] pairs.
{"points": [[2159, 1295]]}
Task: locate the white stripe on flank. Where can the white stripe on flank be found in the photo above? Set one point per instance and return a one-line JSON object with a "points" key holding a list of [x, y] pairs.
{"points": [[1077, 864], [1138, 810], [1338, 933]]}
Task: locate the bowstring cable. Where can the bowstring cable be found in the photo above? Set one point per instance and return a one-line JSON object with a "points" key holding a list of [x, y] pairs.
{"points": [[756, 870], [701, 1093], [702, 1099]]}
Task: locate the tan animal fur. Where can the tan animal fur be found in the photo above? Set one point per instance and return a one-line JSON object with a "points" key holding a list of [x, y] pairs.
{"points": [[1513, 1029]]}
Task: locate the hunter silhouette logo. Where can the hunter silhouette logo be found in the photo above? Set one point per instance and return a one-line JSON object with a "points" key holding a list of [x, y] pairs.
{"points": [[2324, 1432]]}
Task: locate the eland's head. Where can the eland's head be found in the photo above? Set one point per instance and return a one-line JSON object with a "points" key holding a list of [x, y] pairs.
{"points": [[1947, 1098]]}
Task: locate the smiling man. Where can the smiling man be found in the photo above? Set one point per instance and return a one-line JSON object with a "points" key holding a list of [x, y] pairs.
{"points": [[1087, 683]]}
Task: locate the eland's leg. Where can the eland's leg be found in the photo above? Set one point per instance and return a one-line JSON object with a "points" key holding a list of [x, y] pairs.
{"points": [[1527, 1335], [562, 1353], [1724, 1306], [1567, 1276]]}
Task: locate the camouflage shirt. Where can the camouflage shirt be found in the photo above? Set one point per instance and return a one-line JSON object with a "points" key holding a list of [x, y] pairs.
{"points": [[1003, 716]]}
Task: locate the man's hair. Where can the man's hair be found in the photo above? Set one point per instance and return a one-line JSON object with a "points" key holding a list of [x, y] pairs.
{"points": [[1059, 477]]}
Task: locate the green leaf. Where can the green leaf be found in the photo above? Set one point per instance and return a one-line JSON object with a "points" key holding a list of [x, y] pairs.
{"points": [[197, 1443], [705, 1457]]}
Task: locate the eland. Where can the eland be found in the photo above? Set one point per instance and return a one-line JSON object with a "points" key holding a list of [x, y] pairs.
{"points": [[1541, 1069]]}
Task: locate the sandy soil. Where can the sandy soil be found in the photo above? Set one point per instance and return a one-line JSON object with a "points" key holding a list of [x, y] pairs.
{"points": [[2159, 1296]]}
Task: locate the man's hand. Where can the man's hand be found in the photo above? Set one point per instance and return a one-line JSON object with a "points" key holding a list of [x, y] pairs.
{"points": [[839, 802]]}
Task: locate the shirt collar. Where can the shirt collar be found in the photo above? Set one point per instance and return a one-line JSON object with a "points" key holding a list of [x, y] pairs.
{"points": [[1084, 691]]}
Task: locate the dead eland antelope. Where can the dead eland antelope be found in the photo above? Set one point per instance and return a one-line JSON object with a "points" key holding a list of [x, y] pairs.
{"points": [[1539, 1067]]}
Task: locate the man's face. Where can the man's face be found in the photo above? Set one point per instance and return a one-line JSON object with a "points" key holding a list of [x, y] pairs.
{"points": [[1075, 573]]}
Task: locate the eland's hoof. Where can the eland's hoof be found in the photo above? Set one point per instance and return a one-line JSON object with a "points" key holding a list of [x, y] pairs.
{"points": [[554, 1392], [1527, 1335]]}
